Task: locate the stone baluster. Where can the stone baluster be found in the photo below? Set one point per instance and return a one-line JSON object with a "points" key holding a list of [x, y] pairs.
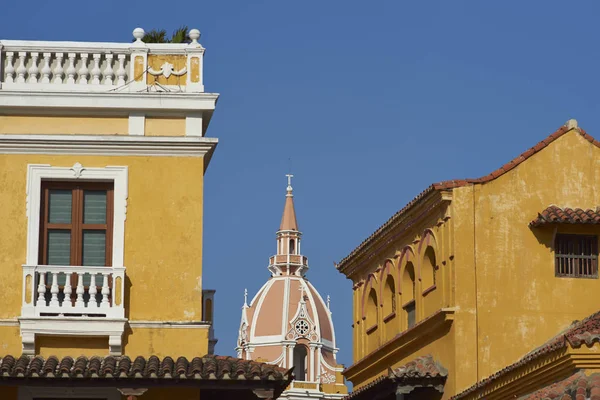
{"points": [[58, 69], [21, 69], [54, 290], [41, 289], [121, 72], [71, 71], [10, 68], [80, 291], [97, 291], [33, 70], [108, 71], [105, 291], [96, 71], [68, 290], [83, 70], [46, 71]]}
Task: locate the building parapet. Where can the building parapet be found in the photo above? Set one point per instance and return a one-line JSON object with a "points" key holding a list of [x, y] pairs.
{"points": [[27, 66]]}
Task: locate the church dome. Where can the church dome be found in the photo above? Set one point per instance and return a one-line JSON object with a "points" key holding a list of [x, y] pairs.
{"points": [[288, 323]]}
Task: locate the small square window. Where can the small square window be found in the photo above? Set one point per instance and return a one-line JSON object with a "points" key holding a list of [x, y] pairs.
{"points": [[576, 256]]}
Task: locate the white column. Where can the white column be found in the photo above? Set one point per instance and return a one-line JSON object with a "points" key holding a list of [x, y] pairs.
{"points": [[311, 361], [139, 56], [193, 124], [137, 124]]}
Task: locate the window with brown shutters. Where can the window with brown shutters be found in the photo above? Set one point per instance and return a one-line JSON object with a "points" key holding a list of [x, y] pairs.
{"points": [[76, 223], [576, 256]]}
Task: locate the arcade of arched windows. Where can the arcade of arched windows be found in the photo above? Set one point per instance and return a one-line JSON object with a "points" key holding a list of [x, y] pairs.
{"points": [[405, 290]]}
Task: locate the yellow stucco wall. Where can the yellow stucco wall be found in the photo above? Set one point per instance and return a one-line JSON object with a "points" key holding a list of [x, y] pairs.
{"points": [[162, 126], [497, 273], [68, 125], [163, 247], [536, 305]]}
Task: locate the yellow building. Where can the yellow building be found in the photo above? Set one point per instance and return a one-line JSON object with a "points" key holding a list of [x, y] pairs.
{"points": [[470, 291], [102, 160]]}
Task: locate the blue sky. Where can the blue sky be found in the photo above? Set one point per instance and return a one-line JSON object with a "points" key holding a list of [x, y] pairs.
{"points": [[372, 101]]}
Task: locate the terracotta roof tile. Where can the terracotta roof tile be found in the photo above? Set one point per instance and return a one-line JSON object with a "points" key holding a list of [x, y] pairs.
{"points": [[582, 332], [577, 386], [424, 367], [209, 367], [421, 367], [451, 184], [557, 215]]}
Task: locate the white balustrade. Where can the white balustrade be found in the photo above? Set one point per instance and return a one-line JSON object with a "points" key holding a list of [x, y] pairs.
{"points": [[50, 290], [96, 67]]}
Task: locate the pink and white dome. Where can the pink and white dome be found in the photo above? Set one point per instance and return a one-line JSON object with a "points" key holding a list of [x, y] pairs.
{"points": [[288, 323]]}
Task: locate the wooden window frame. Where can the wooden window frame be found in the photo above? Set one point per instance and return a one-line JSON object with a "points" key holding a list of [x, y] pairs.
{"points": [[568, 264], [77, 225]]}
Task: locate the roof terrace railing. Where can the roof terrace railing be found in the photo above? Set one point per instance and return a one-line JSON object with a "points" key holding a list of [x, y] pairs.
{"points": [[102, 67]]}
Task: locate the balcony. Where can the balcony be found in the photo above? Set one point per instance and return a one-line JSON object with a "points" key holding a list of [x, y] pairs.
{"points": [[70, 300], [102, 67], [288, 259]]}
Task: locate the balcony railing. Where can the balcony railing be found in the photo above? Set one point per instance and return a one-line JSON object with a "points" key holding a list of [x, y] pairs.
{"points": [[288, 259], [102, 67], [67, 291]]}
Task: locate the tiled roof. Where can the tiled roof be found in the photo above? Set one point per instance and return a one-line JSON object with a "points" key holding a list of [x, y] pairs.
{"points": [[451, 184], [579, 333], [557, 215], [199, 368], [421, 368], [577, 386]]}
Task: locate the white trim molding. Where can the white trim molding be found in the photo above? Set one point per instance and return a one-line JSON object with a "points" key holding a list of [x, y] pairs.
{"points": [[38, 172], [108, 145], [75, 326], [158, 102], [57, 392]]}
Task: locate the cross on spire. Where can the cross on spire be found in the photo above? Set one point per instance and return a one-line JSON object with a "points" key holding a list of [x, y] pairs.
{"points": [[289, 178]]}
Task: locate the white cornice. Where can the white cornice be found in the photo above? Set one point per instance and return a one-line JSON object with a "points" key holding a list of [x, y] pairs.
{"points": [[156, 102], [110, 145]]}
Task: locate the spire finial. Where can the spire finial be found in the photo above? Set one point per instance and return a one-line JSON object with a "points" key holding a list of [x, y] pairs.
{"points": [[245, 297], [328, 302], [289, 186]]}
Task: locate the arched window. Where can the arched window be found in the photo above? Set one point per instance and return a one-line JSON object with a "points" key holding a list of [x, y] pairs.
{"points": [[389, 296], [292, 246], [428, 269], [371, 309], [408, 293], [300, 362]]}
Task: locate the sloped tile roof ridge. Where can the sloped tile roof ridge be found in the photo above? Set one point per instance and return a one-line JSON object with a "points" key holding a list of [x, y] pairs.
{"points": [[208, 367], [454, 183], [420, 367], [555, 215], [423, 367], [575, 387], [579, 332]]}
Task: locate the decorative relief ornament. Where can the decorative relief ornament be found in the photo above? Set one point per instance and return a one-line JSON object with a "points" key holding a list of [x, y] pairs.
{"points": [[302, 327], [77, 169], [167, 69], [327, 378]]}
